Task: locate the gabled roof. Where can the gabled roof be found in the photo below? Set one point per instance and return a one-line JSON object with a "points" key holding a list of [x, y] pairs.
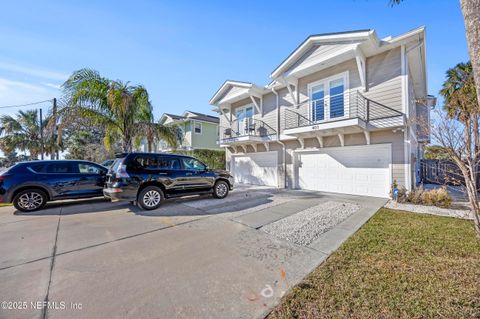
{"points": [[201, 117], [226, 86], [189, 115], [345, 36]]}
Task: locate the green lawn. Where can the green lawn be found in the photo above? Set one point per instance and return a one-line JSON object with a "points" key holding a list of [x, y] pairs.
{"points": [[398, 265]]}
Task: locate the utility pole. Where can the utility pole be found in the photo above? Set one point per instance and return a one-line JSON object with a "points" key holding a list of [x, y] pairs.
{"points": [[54, 131], [41, 133]]}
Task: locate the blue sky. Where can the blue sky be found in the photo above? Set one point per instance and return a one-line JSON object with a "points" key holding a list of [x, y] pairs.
{"points": [[182, 51]]}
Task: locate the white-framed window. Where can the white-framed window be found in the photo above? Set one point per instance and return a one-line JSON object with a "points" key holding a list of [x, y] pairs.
{"points": [[197, 127], [329, 98], [244, 116]]}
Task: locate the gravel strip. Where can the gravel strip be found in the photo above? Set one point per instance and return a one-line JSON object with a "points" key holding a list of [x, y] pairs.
{"points": [[306, 226], [422, 209]]}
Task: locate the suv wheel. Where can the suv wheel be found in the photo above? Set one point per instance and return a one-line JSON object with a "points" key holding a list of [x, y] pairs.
{"points": [[151, 197], [220, 190], [30, 200]]}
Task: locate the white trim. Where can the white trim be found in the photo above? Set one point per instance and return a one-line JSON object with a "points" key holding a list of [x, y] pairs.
{"points": [[317, 39], [326, 87], [320, 140], [362, 66], [367, 137], [406, 108], [341, 137], [327, 125]]}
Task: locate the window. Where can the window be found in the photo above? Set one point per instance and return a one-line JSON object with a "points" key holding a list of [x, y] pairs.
{"points": [[85, 168], [245, 124], [142, 162], [193, 164], [60, 168], [336, 98], [198, 128], [37, 168], [168, 162], [328, 99]]}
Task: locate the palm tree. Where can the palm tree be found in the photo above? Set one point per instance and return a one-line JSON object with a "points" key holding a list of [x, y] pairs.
{"points": [[155, 131], [460, 96], [21, 132], [118, 106]]}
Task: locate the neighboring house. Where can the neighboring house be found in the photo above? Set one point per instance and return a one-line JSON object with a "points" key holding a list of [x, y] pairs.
{"points": [[342, 114], [199, 131]]}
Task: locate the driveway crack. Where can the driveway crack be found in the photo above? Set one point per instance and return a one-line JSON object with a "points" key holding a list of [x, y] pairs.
{"points": [[44, 314]]}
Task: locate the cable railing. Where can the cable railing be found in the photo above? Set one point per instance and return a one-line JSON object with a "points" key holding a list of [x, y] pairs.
{"points": [[337, 107], [245, 127]]}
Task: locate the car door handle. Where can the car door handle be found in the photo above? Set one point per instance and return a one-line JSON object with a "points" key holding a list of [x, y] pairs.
{"points": [[188, 174]]}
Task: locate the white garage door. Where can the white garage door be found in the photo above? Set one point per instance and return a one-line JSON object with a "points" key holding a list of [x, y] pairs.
{"points": [[359, 170], [255, 168]]}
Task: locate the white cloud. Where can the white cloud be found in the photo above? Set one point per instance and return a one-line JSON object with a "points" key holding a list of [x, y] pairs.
{"points": [[6, 85], [41, 73], [18, 92], [52, 85]]}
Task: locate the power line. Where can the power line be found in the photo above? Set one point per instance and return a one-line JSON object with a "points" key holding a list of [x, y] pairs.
{"points": [[22, 105]]}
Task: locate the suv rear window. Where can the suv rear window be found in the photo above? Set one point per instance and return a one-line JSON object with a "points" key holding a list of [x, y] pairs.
{"points": [[60, 168], [37, 168], [146, 162]]}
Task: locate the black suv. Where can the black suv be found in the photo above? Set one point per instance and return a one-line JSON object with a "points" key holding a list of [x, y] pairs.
{"points": [[29, 185], [148, 178]]}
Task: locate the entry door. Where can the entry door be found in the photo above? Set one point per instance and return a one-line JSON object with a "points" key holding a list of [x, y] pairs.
{"points": [[244, 120], [328, 99]]}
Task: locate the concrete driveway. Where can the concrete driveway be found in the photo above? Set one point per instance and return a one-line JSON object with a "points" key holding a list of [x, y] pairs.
{"points": [[195, 257]]}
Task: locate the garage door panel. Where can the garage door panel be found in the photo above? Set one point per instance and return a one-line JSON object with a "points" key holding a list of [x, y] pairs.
{"points": [[256, 168], [357, 170]]}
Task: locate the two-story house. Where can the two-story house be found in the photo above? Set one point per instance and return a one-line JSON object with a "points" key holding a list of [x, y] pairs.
{"points": [[341, 114], [199, 131]]}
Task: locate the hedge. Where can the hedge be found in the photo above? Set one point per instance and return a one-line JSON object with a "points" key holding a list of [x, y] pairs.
{"points": [[212, 158]]}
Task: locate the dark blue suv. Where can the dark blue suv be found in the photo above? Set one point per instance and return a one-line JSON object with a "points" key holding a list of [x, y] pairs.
{"points": [[29, 185]]}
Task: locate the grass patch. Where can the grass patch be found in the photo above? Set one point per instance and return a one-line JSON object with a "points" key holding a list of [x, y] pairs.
{"points": [[398, 265]]}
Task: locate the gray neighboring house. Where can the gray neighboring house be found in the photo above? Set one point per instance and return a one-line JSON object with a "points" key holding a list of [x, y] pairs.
{"points": [[340, 114], [199, 131]]}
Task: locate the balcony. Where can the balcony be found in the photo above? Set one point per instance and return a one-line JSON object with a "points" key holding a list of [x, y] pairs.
{"points": [[245, 131], [347, 113]]}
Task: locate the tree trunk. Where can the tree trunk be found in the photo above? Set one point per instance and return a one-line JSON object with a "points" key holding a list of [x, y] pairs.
{"points": [[471, 16]]}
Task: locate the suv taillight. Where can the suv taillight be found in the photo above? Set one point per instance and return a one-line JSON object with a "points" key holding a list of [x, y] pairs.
{"points": [[122, 171]]}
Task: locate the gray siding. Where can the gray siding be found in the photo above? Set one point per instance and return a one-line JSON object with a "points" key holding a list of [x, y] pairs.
{"points": [[384, 83]]}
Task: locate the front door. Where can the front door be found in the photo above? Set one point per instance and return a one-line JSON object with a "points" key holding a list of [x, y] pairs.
{"points": [[196, 175], [91, 179], [244, 120]]}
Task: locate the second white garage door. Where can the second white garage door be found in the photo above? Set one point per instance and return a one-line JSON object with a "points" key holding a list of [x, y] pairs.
{"points": [[255, 168], [359, 170]]}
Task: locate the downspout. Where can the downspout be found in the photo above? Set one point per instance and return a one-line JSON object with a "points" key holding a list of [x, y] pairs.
{"points": [[280, 142]]}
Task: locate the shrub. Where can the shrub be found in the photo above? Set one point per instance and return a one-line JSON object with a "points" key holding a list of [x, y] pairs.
{"points": [[435, 197], [212, 158]]}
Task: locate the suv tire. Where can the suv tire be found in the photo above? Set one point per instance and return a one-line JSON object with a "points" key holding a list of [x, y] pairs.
{"points": [[151, 197], [220, 189], [30, 200]]}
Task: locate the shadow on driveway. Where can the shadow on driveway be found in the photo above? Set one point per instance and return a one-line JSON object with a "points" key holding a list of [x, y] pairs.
{"points": [[186, 206]]}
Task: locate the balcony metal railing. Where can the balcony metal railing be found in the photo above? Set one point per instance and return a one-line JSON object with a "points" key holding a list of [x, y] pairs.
{"points": [[338, 107], [245, 127]]}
